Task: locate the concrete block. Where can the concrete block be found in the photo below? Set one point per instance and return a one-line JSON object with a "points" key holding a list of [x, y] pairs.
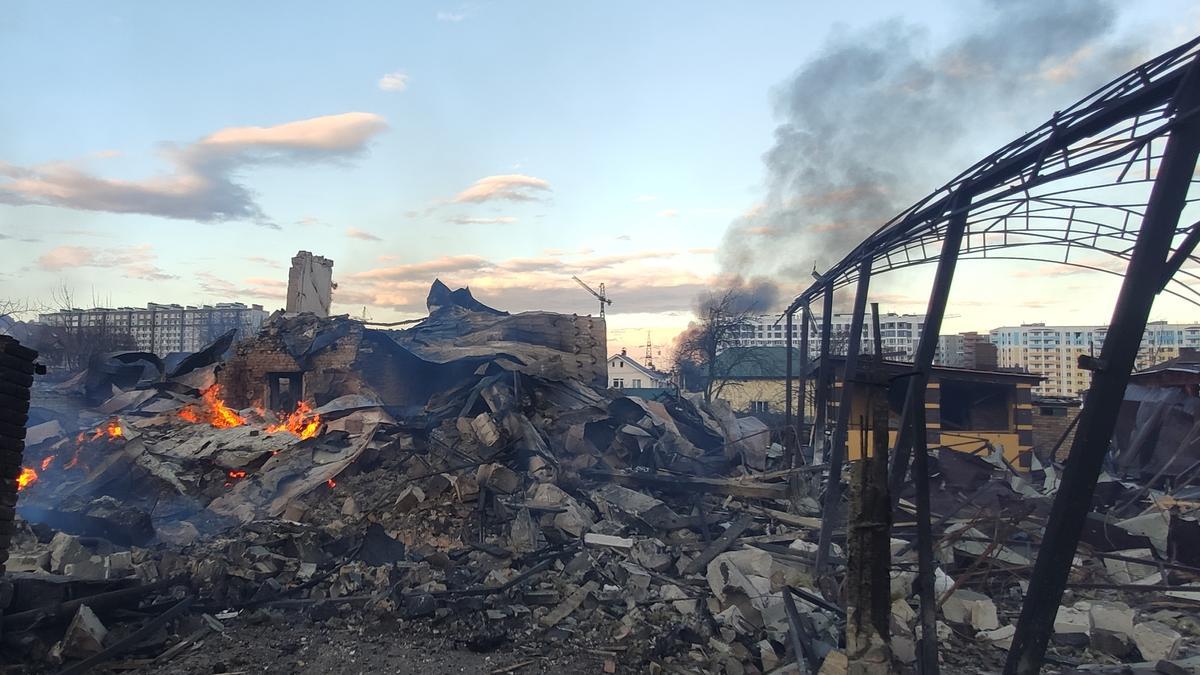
{"points": [[968, 607], [1156, 640], [1114, 617], [85, 636]]}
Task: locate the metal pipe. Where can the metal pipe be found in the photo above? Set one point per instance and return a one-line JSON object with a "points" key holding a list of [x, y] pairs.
{"points": [[1142, 282], [837, 449]]}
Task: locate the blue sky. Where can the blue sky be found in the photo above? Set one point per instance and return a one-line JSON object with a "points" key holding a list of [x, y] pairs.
{"points": [[614, 140]]}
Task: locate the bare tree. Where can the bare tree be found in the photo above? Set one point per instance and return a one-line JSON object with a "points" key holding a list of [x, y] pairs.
{"points": [[709, 351]]}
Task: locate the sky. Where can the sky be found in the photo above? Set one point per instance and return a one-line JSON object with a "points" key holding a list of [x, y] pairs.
{"points": [[172, 152]]}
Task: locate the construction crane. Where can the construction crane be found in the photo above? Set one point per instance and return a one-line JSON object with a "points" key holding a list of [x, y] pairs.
{"points": [[601, 295]]}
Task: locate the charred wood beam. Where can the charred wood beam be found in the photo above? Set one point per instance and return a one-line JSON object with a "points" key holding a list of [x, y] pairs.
{"points": [[719, 545], [690, 484], [99, 602], [1142, 283], [837, 449]]}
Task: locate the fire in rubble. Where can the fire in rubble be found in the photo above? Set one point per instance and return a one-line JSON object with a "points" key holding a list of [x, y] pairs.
{"points": [[302, 422], [212, 410], [26, 478]]}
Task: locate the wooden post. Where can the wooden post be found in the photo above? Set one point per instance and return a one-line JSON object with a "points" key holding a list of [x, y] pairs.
{"points": [[868, 579]]}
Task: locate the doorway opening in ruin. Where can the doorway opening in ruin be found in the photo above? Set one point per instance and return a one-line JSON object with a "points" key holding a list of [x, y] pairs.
{"points": [[284, 390]]}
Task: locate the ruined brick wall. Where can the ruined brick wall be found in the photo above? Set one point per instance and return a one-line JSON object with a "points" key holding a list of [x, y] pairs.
{"points": [[326, 374], [1049, 423]]}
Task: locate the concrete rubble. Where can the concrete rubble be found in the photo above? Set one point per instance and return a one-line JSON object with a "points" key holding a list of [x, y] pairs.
{"points": [[470, 478]]}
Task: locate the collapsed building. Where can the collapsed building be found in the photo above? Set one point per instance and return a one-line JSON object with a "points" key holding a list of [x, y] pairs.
{"points": [[473, 470]]}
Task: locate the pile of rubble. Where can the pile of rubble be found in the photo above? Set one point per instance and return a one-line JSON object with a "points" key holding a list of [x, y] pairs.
{"points": [[519, 509]]}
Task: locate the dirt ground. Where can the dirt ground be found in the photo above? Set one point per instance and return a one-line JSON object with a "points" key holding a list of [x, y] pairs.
{"points": [[289, 644]]}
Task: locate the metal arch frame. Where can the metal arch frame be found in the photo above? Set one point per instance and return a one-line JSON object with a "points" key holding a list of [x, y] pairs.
{"points": [[1107, 133], [1114, 128]]}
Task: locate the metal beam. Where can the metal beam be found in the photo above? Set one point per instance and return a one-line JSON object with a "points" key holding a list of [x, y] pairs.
{"points": [[837, 448], [927, 345], [1143, 280], [805, 321], [789, 435], [822, 385]]}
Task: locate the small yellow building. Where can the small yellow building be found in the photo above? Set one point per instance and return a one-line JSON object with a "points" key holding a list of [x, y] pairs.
{"points": [[965, 410]]}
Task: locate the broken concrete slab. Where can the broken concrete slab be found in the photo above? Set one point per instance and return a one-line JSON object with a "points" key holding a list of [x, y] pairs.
{"points": [[1156, 640], [1072, 626], [593, 539], [85, 635], [570, 604], [636, 508], [1155, 525], [972, 608]]}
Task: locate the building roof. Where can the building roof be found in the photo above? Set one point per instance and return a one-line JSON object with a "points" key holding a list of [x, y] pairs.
{"points": [[940, 371], [648, 372], [1187, 362], [756, 362]]}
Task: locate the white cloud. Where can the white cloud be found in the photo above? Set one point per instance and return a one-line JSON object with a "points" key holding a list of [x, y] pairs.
{"points": [[641, 281], [203, 184], [498, 220], [512, 187], [453, 17], [396, 81], [135, 262], [668, 213], [355, 233]]}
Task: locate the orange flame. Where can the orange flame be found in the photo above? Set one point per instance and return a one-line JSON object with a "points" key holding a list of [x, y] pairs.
{"points": [[235, 474], [302, 422], [113, 429], [331, 483], [212, 410], [26, 478], [47, 461]]}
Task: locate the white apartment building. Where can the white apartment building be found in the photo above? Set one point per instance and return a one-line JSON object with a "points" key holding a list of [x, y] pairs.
{"points": [[900, 333], [163, 329], [1053, 351]]}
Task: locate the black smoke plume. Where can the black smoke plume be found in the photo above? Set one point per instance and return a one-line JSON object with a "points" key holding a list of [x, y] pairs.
{"points": [[879, 119]]}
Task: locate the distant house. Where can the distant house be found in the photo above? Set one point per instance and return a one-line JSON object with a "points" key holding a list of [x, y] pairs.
{"points": [[624, 372], [753, 379]]}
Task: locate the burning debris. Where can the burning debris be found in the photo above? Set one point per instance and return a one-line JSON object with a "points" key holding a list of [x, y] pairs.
{"points": [[466, 480]]}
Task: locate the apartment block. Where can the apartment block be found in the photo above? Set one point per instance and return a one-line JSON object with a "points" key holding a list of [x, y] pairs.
{"points": [[161, 328], [900, 333], [1053, 351]]}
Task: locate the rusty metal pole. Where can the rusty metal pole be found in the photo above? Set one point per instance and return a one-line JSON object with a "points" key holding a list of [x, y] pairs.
{"points": [[1143, 280], [823, 376], [837, 450]]}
